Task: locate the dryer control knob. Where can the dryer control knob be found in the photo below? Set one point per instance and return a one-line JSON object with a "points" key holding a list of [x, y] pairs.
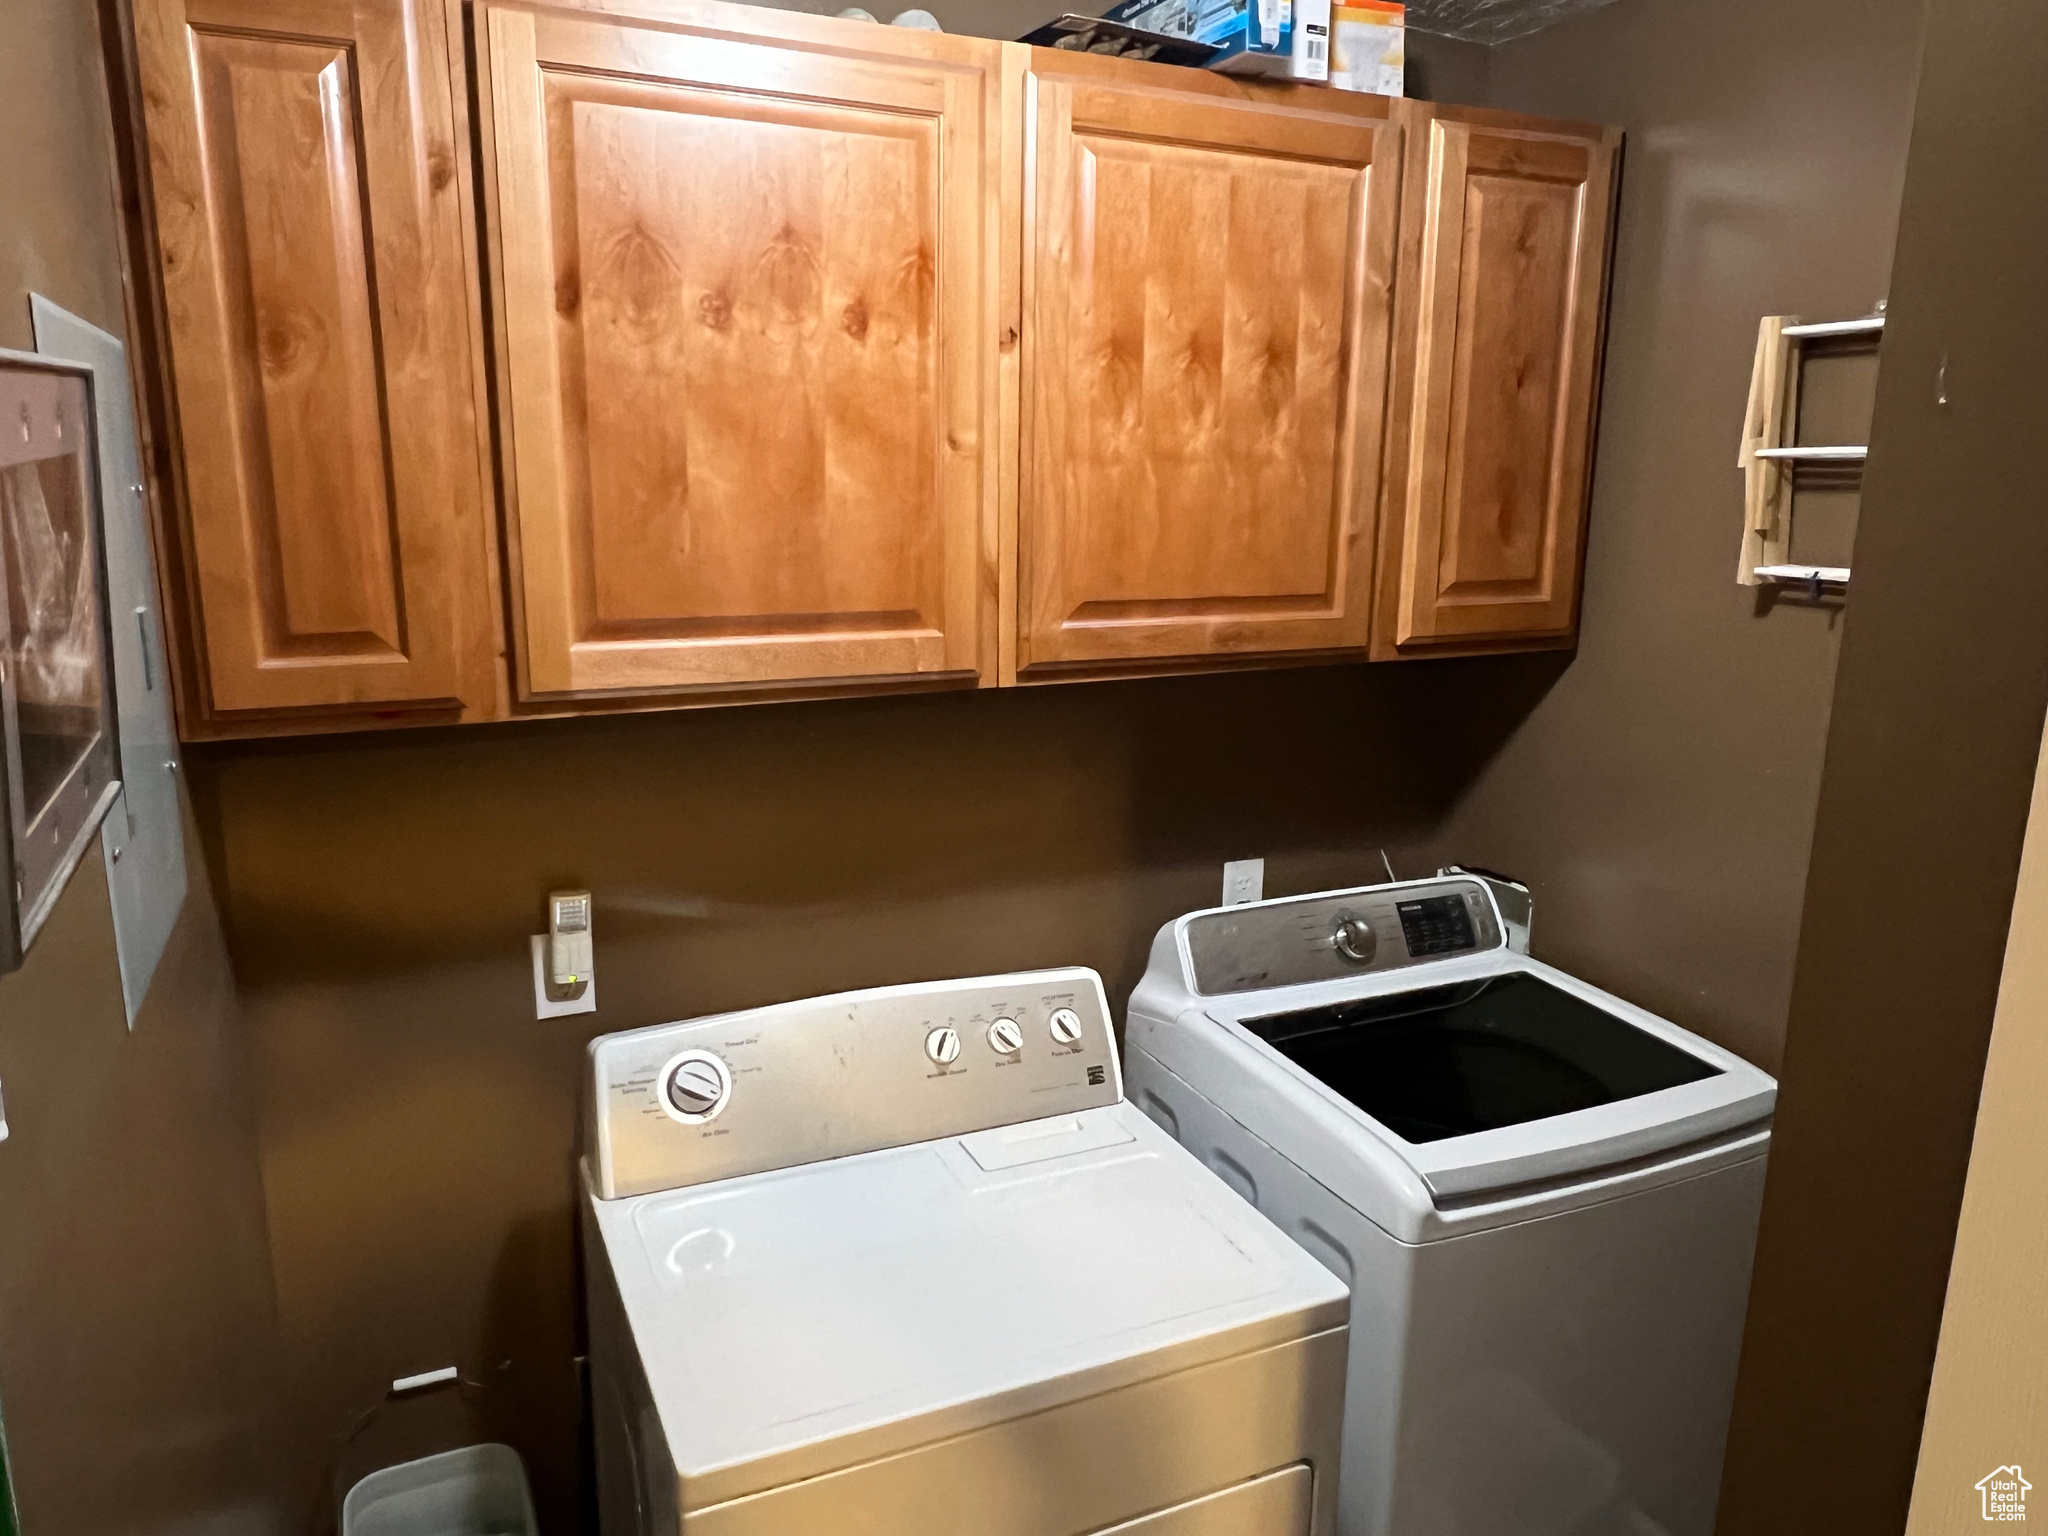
{"points": [[943, 1046], [1066, 1025], [1005, 1038], [1354, 939], [697, 1085]]}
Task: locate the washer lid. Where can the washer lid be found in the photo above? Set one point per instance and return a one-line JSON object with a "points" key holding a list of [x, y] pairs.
{"points": [[1495, 1071], [1477, 1055], [795, 1322]]}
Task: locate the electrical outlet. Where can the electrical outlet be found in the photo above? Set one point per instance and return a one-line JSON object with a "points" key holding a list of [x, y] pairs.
{"points": [[1243, 880], [548, 1004]]}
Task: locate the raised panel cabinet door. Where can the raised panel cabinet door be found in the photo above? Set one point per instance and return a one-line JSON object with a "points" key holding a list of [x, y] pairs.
{"points": [[749, 274], [1207, 289], [1508, 236], [302, 163]]}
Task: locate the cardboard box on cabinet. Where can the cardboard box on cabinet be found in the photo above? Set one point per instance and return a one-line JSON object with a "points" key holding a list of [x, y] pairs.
{"points": [[1368, 47], [1282, 39]]}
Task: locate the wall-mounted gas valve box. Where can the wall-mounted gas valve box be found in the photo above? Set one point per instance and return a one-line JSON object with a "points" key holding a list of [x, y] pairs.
{"points": [[58, 766]]}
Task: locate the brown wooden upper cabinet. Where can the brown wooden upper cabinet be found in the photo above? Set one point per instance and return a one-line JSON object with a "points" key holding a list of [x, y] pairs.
{"points": [[826, 356], [332, 545], [750, 304], [1505, 233], [1208, 291]]}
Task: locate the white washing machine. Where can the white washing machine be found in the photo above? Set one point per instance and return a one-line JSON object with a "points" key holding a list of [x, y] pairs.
{"points": [[904, 1263], [1544, 1200]]}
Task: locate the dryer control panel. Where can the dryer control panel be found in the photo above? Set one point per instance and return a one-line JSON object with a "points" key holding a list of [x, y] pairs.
{"points": [[1338, 933], [801, 1082]]}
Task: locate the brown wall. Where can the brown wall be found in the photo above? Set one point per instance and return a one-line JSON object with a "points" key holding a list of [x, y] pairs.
{"points": [[1661, 797], [418, 1125], [1930, 763], [136, 1316], [1448, 69], [135, 1304]]}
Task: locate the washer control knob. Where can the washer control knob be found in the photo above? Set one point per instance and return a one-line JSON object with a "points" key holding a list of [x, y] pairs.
{"points": [[1066, 1026], [1354, 939], [1005, 1038], [943, 1045], [697, 1085]]}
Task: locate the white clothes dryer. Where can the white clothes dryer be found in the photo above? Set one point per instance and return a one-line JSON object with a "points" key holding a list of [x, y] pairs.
{"points": [[1543, 1199], [904, 1263]]}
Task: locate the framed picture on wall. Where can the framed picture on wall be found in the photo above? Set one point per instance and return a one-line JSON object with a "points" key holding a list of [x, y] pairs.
{"points": [[59, 767]]}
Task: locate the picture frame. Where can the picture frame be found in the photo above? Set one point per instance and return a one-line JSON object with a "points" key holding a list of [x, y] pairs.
{"points": [[59, 743]]}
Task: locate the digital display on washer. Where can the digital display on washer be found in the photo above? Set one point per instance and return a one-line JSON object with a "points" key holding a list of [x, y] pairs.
{"points": [[1450, 1061], [1436, 925]]}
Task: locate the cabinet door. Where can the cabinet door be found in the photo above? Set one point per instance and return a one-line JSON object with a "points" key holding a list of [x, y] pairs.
{"points": [[1207, 290], [303, 161], [749, 274], [1505, 245]]}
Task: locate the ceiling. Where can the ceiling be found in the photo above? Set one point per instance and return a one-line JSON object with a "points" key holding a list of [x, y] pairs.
{"points": [[1492, 21]]}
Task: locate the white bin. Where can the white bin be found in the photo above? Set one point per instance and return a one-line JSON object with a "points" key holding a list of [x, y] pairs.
{"points": [[479, 1490]]}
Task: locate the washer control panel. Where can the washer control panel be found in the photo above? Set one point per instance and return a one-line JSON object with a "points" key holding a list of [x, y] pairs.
{"points": [[740, 1093], [1338, 933], [1436, 925]]}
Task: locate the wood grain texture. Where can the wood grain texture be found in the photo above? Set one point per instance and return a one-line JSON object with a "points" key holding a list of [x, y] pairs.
{"points": [[750, 327], [1208, 292], [1504, 242], [825, 359], [1010, 157], [1770, 420], [487, 690], [309, 239]]}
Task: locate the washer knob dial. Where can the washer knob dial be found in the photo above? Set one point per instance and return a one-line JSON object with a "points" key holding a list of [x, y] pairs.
{"points": [[943, 1045], [1005, 1038], [1354, 939], [697, 1085], [1066, 1025]]}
